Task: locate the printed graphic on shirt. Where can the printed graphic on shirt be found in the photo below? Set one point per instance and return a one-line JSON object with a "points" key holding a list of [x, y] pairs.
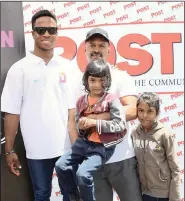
{"points": [[147, 144], [62, 77]]}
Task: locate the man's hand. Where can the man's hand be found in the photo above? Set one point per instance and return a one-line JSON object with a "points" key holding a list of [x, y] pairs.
{"points": [[85, 123], [129, 103], [13, 163], [72, 126]]}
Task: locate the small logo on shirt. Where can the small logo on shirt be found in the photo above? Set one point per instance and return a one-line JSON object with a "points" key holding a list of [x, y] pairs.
{"points": [[35, 81], [62, 77]]}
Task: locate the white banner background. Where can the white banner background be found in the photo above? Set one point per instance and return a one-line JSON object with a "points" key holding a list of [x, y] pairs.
{"points": [[121, 19]]}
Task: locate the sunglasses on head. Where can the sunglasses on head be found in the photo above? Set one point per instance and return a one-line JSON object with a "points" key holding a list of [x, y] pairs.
{"points": [[42, 30]]}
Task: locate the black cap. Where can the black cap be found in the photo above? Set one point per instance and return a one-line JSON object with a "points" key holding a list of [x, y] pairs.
{"points": [[95, 31]]}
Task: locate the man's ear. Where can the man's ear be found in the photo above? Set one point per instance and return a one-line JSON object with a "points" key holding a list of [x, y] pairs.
{"points": [[33, 34]]}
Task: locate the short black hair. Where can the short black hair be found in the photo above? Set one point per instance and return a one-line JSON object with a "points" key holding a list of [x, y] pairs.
{"points": [[42, 13], [152, 99], [97, 68]]}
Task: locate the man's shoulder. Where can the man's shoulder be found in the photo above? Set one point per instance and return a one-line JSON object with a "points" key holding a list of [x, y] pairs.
{"points": [[18, 65], [123, 82], [69, 67], [61, 59], [110, 97], [20, 61], [62, 63], [115, 71]]}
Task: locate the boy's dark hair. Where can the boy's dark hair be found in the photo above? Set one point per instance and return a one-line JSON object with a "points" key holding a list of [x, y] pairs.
{"points": [[42, 13], [97, 68], [151, 99]]}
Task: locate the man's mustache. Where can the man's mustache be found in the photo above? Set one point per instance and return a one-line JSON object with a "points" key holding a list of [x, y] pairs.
{"points": [[96, 54]]}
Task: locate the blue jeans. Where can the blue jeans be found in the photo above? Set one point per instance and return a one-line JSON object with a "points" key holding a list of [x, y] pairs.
{"points": [[150, 198], [90, 156], [41, 172]]}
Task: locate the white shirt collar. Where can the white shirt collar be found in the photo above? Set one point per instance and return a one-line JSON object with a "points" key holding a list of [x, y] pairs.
{"points": [[35, 59]]}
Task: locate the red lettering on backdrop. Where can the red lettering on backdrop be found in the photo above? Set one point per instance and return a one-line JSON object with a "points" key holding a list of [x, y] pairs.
{"points": [[170, 107], [176, 95], [165, 119], [26, 7], [166, 41], [69, 47], [180, 113], [82, 61], [145, 58], [170, 18]]}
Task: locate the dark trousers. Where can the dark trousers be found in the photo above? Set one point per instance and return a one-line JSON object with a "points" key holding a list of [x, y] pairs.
{"points": [[84, 159], [150, 198], [41, 172], [122, 177]]}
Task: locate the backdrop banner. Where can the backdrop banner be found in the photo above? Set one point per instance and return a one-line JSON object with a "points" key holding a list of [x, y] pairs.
{"points": [[146, 40]]}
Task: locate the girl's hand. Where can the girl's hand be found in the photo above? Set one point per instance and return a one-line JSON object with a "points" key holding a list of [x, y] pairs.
{"points": [[85, 123]]}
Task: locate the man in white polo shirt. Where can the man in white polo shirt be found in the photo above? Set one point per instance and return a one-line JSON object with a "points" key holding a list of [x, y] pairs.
{"points": [[120, 171], [36, 93]]}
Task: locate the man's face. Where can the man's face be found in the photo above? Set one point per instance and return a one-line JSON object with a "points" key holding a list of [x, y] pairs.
{"points": [[45, 41], [97, 47]]}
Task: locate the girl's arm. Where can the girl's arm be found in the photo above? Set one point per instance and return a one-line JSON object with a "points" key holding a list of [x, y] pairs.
{"points": [[117, 120]]}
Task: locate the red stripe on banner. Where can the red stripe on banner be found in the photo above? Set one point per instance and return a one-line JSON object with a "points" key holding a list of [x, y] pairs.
{"points": [[175, 92], [129, 23]]}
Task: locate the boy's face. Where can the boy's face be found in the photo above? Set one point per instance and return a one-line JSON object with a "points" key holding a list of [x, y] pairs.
{"points": [[146, 115], [95, 85]]}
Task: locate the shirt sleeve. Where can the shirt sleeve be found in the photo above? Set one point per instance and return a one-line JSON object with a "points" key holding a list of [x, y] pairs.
{"points": [[72, 87], [169, 145], [126, 86], [12, 95], [72, 97]]}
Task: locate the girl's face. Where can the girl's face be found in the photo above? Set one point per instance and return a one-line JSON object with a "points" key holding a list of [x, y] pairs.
{"points": [[146, 115], [95, 85]]}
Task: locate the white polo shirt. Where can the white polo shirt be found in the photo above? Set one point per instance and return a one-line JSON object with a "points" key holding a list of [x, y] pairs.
{"points": [[122, 85], [41, 95]]}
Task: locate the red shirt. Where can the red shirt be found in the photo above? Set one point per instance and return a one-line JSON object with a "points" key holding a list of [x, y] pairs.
{"points": [[94, 137]]}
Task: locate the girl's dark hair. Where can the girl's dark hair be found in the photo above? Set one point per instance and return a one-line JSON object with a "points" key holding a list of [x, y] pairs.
{"points": [[151, 99], [42, 13], [97, 68]]}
